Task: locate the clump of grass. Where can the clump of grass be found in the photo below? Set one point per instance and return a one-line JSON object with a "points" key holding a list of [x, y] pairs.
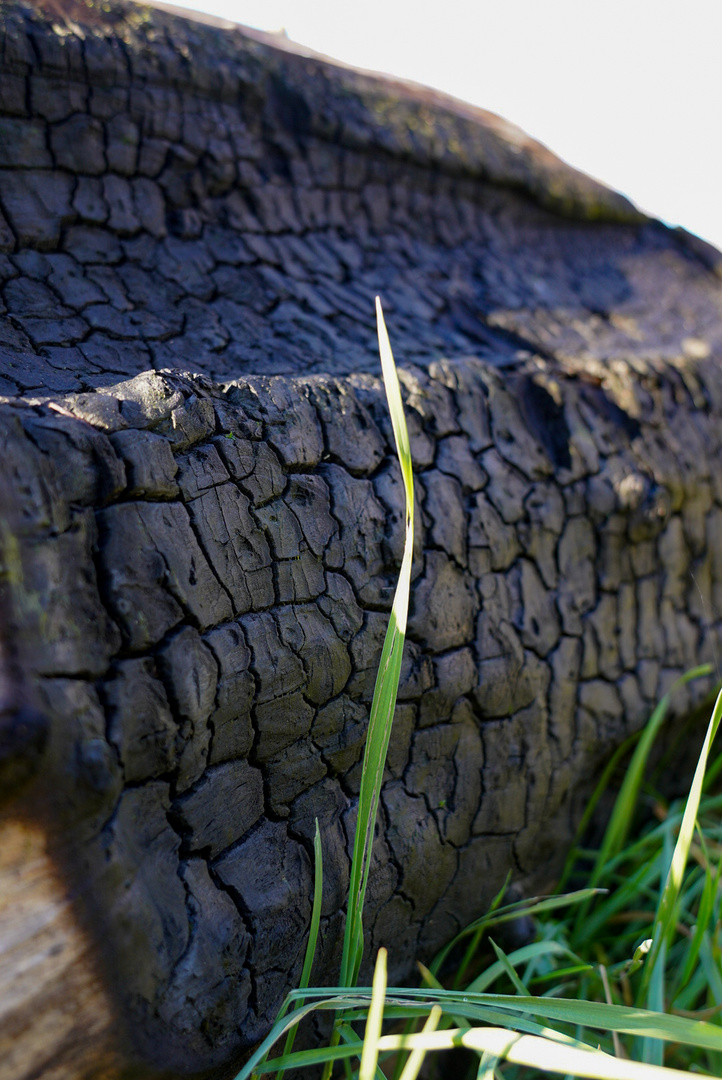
{"points": [[645, 935], [627, 977], [654, 938]]}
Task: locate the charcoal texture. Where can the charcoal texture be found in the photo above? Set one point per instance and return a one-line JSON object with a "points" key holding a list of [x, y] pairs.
{"points": [[202, 513]]}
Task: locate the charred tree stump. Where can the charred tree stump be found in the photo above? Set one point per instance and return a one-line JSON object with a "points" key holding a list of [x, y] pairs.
{"points": [[201, 518]]}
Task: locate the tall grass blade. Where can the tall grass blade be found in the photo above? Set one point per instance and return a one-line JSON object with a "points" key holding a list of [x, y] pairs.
{"points": [[387, 683], [665, 917]]}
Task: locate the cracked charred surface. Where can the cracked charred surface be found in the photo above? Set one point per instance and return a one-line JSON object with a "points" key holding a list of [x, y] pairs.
{"points": [[198, 564], [199, 593]]}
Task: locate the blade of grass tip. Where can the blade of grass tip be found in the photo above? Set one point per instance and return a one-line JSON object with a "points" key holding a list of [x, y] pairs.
{"points": [[396, 405], [523, 955], [370, 1053], [508, 967], [664, 921], [496, 902], [416, 1057], [428, 977], [312, 933], [387, 683]]}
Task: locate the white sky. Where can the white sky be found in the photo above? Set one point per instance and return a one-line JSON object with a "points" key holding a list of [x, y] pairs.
{"points": [[629, 91]]}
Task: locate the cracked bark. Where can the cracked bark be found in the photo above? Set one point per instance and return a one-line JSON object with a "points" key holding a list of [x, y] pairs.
{"points": [[198, 563]]}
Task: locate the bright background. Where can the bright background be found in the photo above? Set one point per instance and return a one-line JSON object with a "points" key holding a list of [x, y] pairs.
{"points": [[629, 91]]}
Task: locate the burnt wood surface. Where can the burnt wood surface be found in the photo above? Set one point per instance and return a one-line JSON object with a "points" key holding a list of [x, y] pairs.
{"points": [[201, 518]]}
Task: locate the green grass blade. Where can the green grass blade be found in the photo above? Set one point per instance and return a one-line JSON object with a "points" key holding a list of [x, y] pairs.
{"points": [[370, 1054], [312, 934], [631, 1021], [587, 1013], [304, 1059], [509, 1008], [534, 905], [664, 921], [508, 967], [532, 1051], [256, 1063], [387, 683], [523, 955]]}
